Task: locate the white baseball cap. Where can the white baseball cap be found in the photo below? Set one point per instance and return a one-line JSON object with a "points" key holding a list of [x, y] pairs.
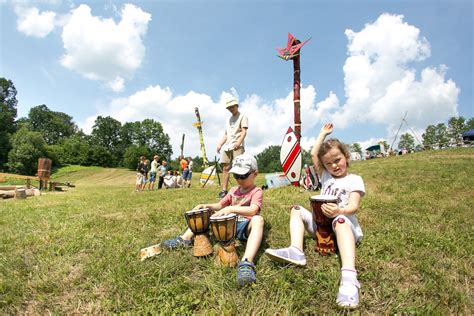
{"points": [[244, 164]]}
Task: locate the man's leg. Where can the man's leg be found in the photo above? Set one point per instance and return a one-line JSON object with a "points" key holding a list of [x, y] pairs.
{"points": [[225, 176]]}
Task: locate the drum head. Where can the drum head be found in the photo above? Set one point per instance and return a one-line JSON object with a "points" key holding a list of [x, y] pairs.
{"points": [[223, 218], [324, 198], [198, 211]]}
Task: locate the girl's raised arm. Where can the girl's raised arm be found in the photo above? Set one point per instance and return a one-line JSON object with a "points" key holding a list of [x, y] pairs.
{"points": [[325, 130]]}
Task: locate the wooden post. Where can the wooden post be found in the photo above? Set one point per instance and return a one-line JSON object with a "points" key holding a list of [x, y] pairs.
{"points": [[296, 95]]}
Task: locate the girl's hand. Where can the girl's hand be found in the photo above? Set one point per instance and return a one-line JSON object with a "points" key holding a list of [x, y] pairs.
{"points": [[327, 129], [331, 210], [200, 206]]}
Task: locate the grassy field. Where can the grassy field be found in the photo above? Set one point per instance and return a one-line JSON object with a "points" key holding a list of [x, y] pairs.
{"points": [[77, 251]]}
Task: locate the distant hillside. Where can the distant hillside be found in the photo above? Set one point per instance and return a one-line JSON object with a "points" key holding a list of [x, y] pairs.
{"points": [[95, 176]]}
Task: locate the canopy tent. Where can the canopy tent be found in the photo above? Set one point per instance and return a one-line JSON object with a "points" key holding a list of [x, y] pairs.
{"points": [[373, 147], [468, 136], [469, 133]]}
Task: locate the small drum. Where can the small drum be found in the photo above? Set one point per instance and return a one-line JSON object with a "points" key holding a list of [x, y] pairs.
{"points": [[324, 234], [198, 222], [224, 229]]}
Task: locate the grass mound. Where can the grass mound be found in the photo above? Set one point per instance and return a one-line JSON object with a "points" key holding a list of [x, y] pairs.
{"points": [[77, 251]]}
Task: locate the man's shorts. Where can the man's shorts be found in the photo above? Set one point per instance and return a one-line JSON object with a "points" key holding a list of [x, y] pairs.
{"points": [[152, 176], [190, 175], [228, 156], [185, 173]]}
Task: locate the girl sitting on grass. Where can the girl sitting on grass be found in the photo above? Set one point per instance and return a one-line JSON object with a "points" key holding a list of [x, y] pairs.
{"points": [[331, 158]]}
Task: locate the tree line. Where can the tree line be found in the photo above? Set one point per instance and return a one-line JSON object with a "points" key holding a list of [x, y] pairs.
{"points": [[52, 134]]}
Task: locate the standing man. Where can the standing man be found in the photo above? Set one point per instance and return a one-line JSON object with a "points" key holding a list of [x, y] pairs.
{"points": [[153, 171], [232, 143]]}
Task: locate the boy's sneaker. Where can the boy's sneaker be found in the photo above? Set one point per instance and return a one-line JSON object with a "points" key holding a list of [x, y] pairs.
{"points": [[222, 194], [348, 296], [177, 242], [246, 273], [287, 255]]}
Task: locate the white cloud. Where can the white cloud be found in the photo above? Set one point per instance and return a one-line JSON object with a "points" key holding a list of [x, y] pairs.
{"points": [[33, 23], [268, 121], [100, 49], [381, 85]]}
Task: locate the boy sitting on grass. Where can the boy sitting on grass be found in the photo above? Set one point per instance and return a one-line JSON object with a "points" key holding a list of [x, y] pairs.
{"points": [[245, 200]]}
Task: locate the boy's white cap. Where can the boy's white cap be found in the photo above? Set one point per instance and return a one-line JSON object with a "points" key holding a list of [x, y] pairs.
{"points": [[244, 164], [230, 103]]}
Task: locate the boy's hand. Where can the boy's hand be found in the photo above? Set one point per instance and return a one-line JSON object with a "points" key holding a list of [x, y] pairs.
{"points": [[222, 212], [199, 206], [327, 129], [331, 210]]}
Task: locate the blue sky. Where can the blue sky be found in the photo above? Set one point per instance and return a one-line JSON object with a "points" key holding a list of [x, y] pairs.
{"points": [[368, 62]]}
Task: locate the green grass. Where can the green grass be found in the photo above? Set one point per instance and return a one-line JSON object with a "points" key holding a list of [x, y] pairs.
{"points": [[77, 251]]}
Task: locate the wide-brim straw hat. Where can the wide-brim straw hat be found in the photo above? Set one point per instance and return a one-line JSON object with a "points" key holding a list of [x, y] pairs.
{"points": [[230, 103]]}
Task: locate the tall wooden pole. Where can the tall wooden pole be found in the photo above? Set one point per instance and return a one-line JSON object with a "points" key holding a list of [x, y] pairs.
{"points": [[198, 124], [296, 95], [182, 146]]}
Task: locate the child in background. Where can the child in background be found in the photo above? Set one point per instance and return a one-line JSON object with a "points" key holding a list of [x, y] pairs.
{"points": [[140, 170], [245, 200], [331, 159]]}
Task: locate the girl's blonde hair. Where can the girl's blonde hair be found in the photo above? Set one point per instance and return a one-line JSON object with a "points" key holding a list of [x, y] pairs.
{"points": [[330, 144]]}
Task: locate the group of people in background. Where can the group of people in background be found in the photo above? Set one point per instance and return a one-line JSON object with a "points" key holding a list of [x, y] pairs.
{"points": [[148, 174]]}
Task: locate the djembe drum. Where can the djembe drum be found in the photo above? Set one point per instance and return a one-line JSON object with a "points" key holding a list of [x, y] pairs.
{"points": [[224, 229], [324, 234], [198, 222]]}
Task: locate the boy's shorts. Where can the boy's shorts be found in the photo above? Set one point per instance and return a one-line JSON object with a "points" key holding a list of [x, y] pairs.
{"points": [[310, 225], [152, 176], [241, 233], [228, 156]]}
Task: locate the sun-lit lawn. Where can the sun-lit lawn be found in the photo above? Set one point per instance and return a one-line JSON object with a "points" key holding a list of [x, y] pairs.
{"points": [[77, 251]]}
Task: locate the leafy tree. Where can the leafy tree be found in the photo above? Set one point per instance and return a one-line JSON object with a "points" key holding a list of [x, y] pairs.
{"points": [[75, 150], [269, 159], [469, 124], [356, 148], [429, 137], [148, 133], [27, 147], [132, 155], [101, 156], [8, 112], [407, 141], [105, 138], [441, 135], [54, 152], [53, 125], [456, 126]]}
